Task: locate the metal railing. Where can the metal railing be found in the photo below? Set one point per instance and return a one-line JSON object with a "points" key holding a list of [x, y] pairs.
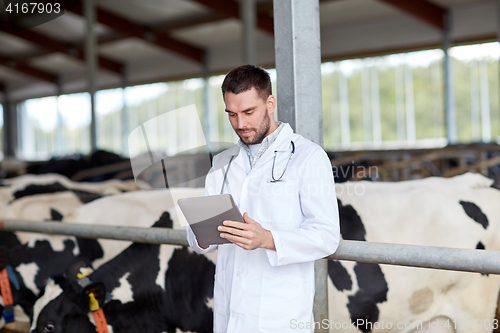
{"points": [[465, 260]]}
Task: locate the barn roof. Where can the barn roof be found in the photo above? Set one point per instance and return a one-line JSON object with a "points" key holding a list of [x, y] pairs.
{"points": [[162, 40]]}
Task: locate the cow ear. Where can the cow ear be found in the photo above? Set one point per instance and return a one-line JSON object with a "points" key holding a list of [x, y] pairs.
{"points": [[98, 290], [73, 270]]}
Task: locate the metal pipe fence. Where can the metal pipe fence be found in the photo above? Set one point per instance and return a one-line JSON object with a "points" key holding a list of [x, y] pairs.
{"points": [[465, 260]]}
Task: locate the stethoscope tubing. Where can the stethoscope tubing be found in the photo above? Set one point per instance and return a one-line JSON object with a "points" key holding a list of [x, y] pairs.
{"points": [[273, 180]]}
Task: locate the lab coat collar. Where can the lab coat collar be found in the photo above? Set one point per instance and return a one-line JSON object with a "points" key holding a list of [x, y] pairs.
{"points": [[237, 172], [282, 143], [283, 140]]}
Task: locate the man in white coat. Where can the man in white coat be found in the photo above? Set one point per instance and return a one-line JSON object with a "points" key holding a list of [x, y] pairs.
{"points": [[283, 183]]}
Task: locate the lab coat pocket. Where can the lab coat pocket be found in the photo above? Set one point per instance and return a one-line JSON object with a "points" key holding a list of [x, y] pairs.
{"points": [[220, 305], [277, 201], [285, 302]]}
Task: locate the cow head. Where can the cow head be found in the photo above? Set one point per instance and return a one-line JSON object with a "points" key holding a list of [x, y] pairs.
{"points": [[64, 308]]}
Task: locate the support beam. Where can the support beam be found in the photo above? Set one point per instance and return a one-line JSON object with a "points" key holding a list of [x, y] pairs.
{"points": [[124, 113], [449, 96], [9, 125], [298, 66], [345, 122], [229, 8], [423, 10], [92, 63], [205, 74], [53, 45], [59, 123], [248, 14], [365, 103], [23, 67], [400, 99], [474, 102], [484, 89], [411, 131], [498, 34], [375, 103], [132, 29]]}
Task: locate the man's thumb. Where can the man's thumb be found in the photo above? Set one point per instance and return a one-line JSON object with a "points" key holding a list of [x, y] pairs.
{"points": [[247, 219]]}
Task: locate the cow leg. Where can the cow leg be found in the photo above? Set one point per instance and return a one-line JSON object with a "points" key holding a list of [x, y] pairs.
{"points": [[440, 324]]}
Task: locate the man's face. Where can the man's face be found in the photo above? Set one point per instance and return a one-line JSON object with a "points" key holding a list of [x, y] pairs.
{"points": [[250, 115]]}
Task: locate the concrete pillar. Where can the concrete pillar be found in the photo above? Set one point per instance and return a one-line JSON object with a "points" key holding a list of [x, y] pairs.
{"points": [[248, 15], [298, 66]]}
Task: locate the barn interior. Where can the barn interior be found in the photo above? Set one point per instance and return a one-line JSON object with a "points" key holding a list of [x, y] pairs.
{"points": [[411, 88], [403, 90]]}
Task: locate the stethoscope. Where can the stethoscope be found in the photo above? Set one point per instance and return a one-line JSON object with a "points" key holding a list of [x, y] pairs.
{"points": [[273, 180]]}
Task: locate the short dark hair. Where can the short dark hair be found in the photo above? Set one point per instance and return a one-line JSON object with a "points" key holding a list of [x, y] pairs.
{"points": [[246, 77]]}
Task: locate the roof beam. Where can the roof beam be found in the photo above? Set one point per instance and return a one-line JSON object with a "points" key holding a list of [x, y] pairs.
{"points": [[53, 45], [132, 29], [230, 8], [188, 22], [23, 67], [423, 10]]}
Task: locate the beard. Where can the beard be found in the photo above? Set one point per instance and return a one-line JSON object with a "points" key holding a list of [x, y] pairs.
{"points": [[260, 133]]}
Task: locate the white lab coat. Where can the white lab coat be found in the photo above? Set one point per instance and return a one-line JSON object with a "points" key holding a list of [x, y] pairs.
{"points": [[264, 290]]}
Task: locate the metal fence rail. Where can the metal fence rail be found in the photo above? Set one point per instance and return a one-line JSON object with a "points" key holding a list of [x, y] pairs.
{"points": [[447, 258], [134, 234], [481, 261]]}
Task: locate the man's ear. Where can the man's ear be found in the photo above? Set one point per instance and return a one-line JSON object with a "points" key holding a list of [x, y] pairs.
{"points": [[98, 289], [271, 103]]}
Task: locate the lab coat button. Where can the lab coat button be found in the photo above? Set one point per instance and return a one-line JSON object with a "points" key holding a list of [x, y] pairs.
{"points": [[235, 315], [281, 260], [238, 273]]}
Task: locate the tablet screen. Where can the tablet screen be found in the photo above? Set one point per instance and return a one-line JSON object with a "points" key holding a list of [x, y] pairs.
{"points": [[205, 214]]}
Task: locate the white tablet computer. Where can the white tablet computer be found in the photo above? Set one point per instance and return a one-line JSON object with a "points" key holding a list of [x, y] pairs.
{"points": [[205, 214]]}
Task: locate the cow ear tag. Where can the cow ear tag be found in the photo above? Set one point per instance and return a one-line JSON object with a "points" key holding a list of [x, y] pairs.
{"points": [[93, 303], [84, 272], [99, 318], [8, 300]]}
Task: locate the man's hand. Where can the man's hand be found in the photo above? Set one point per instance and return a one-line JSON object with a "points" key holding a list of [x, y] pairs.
{"points": [[249, 235]]}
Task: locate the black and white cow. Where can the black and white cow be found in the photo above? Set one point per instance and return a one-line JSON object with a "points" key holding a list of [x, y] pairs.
{"points": [[37, 257], [150, 290], [461, 212], [33, 197], [108, 187], [32, 264]]}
